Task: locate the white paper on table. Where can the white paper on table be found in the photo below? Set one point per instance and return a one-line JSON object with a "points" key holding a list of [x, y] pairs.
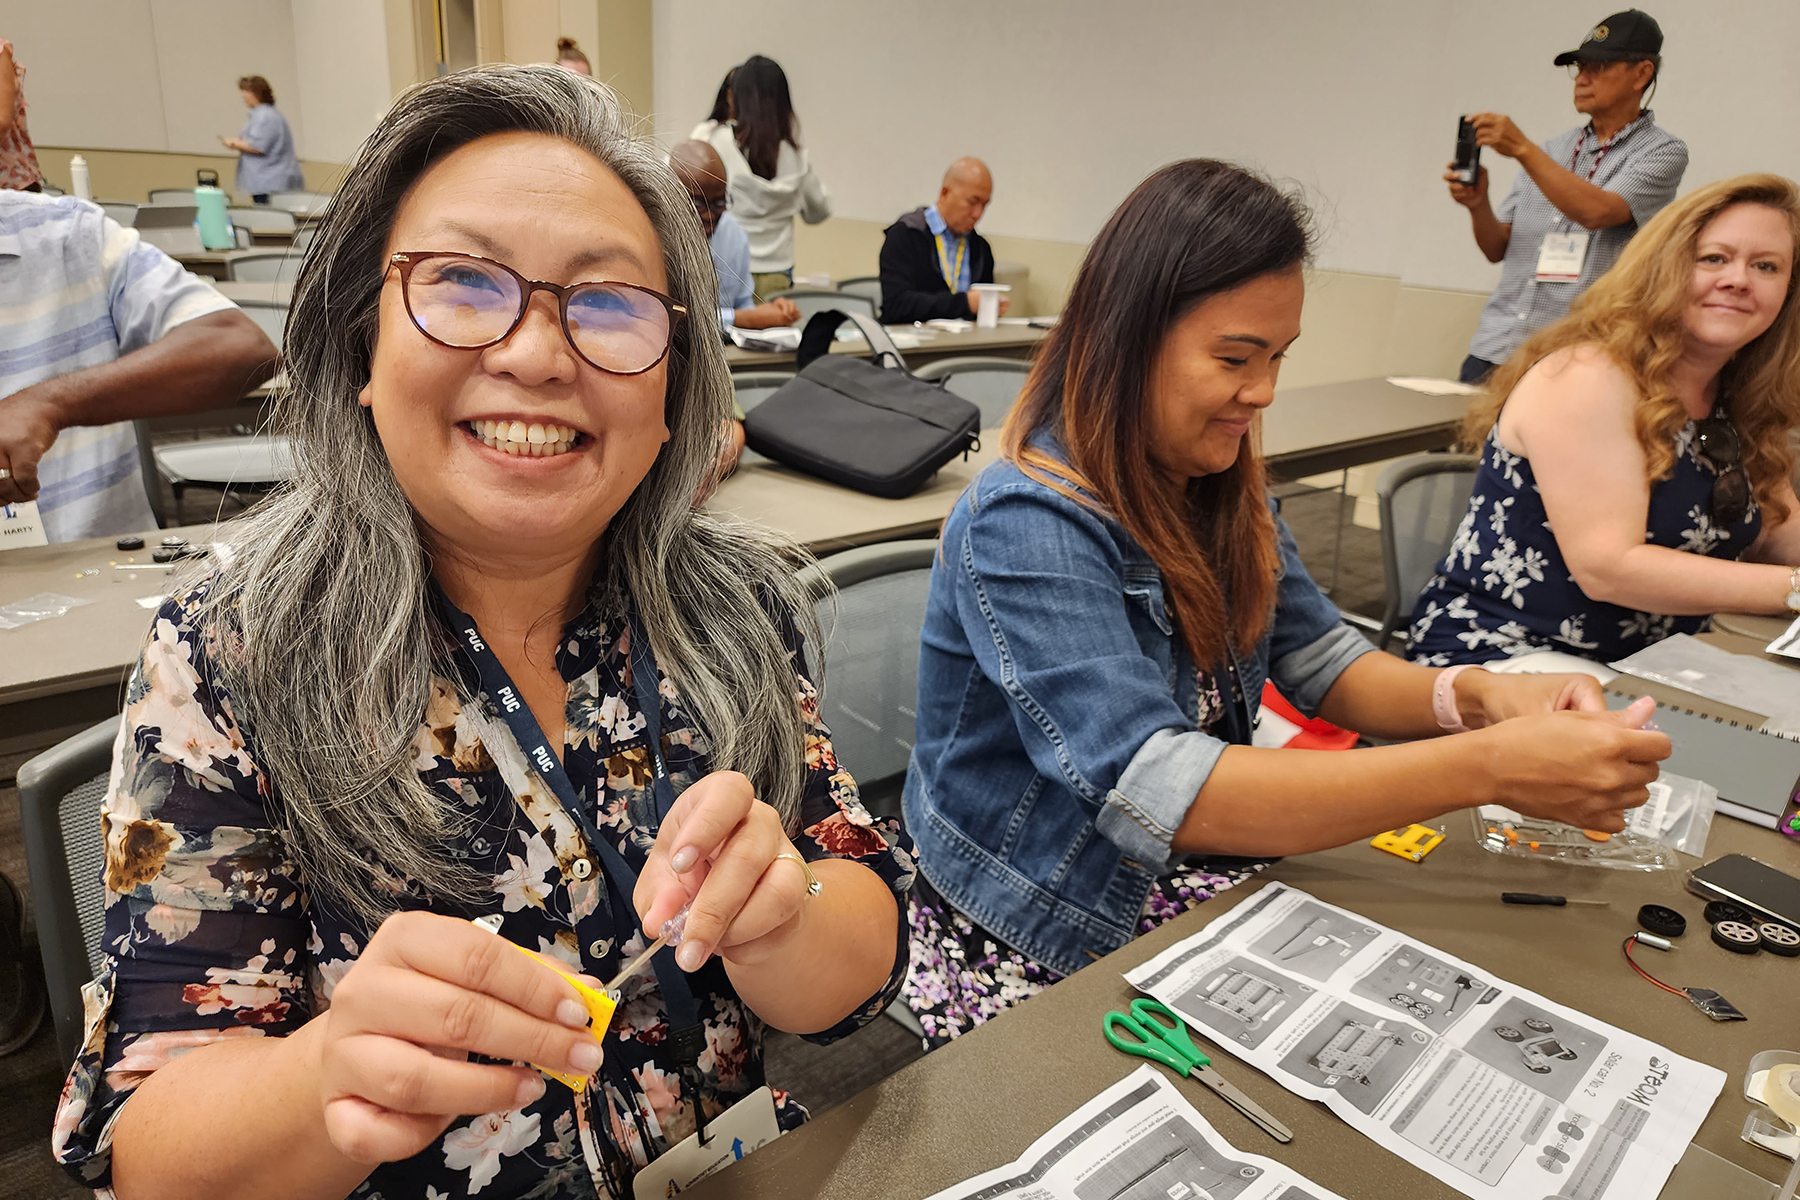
{"points": [[1138, 1138], [1019, 320], [1551, 662], [1788, 644], [1496, 1091], [779, 339], [951, 324], [1431, 386], [1736, 679], [21, 526]]}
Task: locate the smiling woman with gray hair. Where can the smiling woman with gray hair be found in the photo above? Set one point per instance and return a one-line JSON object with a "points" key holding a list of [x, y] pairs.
{"points": [[482, 659]]}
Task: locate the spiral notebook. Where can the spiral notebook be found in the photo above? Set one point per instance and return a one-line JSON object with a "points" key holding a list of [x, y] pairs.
{"points": [[1720, 744]]}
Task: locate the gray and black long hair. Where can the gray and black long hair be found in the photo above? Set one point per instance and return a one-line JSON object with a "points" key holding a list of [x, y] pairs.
{"points": [[329, 643]]}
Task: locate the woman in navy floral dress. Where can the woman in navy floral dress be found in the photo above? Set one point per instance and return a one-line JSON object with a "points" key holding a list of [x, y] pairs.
{"points": [[483, 659], [1635, 456]]}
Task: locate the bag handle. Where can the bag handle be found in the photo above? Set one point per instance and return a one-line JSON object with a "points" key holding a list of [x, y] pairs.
{"points": [[822, 326]]}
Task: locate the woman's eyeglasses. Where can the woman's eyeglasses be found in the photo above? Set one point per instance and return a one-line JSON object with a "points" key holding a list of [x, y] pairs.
{"points": [[467, 302], [1716, 442]]}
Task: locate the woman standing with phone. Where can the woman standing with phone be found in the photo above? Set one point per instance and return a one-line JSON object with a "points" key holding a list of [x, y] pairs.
{"points": [[266, 159]]}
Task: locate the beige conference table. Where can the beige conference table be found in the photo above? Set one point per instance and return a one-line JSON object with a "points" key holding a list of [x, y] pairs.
{"points": [[979, 1102]]}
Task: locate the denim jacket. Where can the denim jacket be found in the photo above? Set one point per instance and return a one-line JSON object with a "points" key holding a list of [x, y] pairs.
{"points": [[1058, 746]]}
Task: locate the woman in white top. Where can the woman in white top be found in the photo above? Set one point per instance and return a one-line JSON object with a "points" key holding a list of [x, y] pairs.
{"points": [[768, 178]]}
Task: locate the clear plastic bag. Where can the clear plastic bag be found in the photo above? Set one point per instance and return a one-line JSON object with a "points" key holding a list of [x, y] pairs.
{"points": [[1677, 817], [40, 607]]}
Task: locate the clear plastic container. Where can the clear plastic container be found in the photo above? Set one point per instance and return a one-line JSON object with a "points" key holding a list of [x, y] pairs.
{"points": [[1678, 817], [1762, 1128]]}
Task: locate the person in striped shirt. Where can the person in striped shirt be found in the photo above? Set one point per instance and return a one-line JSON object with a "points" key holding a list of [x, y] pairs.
{"points": [[98, 329]]}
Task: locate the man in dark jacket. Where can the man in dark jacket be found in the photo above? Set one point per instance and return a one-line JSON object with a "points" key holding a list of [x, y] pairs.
{"points": [[933, 255]]}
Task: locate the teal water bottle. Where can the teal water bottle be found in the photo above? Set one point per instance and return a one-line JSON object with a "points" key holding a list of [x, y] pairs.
{"points": [[214, 222]]}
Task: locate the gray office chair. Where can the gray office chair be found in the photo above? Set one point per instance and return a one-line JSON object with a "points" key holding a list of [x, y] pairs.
{"points": [[123, 212], [310, 203], [242, 237], [753, 387], [816, 300], [266, 266], [992, 384], [864, 285], [60, 792], [253, 464], [303, 238], [172, 195], [869, 692], [270, 317], [262, 221], [1422, 498], [870, 689]]}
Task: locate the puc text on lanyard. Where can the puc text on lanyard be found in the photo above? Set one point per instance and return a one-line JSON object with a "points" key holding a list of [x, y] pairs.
{"points": [[687, 1036]]}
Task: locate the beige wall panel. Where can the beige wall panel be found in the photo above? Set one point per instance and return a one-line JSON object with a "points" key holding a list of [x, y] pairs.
{"points": [[623, 55], [130, 174], [203, 47], [1431, 330], [91, 72], [530, 29], [341, 57]]}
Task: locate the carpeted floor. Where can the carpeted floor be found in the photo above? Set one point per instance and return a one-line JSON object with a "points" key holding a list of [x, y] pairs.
{"points": [[821, 1077]]}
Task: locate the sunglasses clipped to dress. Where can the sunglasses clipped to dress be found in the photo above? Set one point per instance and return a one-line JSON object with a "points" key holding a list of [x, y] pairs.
{"points": [[1716, 442], [467, 302]]}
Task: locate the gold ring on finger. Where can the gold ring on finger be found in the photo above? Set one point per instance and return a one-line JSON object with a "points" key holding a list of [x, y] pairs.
{"points": [[813, 886]]}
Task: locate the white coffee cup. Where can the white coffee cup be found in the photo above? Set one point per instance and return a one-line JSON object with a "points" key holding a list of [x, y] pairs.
{"points": [[987, 310]]}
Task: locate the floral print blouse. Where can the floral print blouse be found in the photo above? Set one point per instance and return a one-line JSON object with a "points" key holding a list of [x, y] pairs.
{"points": [[211, 932]]}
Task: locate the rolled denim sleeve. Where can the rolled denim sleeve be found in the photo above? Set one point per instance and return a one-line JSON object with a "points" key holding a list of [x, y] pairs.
{"points": [[1044, 607], [1309, 644]]}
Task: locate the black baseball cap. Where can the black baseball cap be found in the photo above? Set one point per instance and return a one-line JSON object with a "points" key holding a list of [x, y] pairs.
{"points": [[1624, 35]]}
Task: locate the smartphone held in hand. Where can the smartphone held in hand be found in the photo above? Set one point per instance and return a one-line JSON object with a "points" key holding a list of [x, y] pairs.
{"points": [[1468, 155]]}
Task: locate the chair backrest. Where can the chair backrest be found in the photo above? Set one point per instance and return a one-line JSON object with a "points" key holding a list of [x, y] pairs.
{"points": [[864, 285], [991, 384], [303, 238], [300, 202], [270, 317], [1422, 498], [869, 693], [123, 212], [153, 488], [266, 266], [269, 222], [242, 237], [60, 793], [753, 387], [170, 227], [171, 195], [816, 300]]}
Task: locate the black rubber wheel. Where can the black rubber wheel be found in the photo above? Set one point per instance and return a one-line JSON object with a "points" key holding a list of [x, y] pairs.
{"points": [[1737, 937], [1779, 939], [1725, 910], [1662, 920]]}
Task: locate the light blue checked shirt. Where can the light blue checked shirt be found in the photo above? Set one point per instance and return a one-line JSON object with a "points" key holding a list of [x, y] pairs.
{"points": [[76, 291], [1643, 164]]}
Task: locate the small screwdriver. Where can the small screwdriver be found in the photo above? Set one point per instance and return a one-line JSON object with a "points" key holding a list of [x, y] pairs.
{"points": [[1552, 901]]}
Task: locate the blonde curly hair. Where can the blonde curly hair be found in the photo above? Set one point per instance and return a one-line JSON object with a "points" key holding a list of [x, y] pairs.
{"points": [[1635, 314]]}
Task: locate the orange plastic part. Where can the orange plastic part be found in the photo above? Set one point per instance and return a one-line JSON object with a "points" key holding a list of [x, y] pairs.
{"points": [[1596, 835]]}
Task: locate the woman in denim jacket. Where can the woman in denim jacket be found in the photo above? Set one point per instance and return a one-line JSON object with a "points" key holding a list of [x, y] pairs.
{"points": [[1110, 597]]}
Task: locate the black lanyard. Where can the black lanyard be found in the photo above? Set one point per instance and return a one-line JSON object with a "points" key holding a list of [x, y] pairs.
{"points": [[687, 1037]]}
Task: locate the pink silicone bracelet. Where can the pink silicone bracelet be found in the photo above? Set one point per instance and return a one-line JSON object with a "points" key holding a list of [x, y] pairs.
{"points": [[1443, 699]]}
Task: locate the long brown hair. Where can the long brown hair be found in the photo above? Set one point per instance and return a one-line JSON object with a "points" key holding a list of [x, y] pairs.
{"points": [[1192, 230], [1635, 314]]}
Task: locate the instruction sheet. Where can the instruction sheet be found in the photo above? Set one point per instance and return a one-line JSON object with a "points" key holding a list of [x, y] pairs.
{"points": [[1140, 1139], [1496, 1091]]}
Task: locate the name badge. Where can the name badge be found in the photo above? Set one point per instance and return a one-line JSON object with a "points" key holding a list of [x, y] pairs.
{"points": [[21, 526], [746, 1126], [1561, 256]]}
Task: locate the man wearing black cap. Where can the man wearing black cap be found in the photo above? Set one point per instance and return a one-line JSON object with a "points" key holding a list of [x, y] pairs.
{"points": [[1579, 197]]}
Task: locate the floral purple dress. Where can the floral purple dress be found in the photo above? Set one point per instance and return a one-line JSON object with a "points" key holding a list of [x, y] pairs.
{"points": [[211, 932], [961, 975]]}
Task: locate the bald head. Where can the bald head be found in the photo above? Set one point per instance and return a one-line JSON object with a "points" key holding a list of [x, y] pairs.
{"points": [[965, 194], [702, 173]]}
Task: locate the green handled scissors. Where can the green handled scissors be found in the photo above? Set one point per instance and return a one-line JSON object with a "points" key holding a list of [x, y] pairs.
{"points": [[1143, 1032]]}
